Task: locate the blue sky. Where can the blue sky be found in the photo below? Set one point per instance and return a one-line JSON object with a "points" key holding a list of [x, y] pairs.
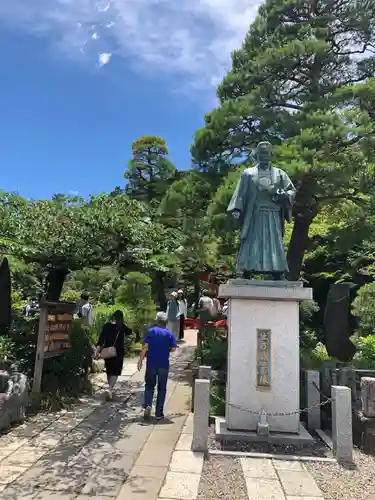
{"points": [[82, 79]]}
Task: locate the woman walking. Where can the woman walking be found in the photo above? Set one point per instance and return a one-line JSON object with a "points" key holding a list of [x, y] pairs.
{"points": [[182, 304], [111, 348], [173, 313]]}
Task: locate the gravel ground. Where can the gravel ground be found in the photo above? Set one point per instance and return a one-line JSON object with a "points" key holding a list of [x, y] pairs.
{"points": [[222, 478], [317, 449], [350, 483]]}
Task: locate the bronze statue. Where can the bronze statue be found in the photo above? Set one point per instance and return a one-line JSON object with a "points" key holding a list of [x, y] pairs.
{"points": [[262, 202]]}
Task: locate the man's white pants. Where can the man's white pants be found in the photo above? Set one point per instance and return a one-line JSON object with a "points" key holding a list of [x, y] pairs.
{"points": [[174, 327]]}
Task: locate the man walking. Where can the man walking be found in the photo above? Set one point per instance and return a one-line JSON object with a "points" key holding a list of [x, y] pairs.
{"points": [[158, 344]]}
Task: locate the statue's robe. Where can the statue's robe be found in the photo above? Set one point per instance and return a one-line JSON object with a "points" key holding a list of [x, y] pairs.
{"points": [[263, 218]]}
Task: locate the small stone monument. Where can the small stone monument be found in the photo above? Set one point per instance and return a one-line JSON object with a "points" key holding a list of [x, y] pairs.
{"points": [[368, 396], [13, 398], [338, 322]]}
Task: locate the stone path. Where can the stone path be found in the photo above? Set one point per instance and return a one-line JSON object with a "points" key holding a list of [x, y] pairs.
{"points": [[97, 449], [278, 480], [107, 451]]}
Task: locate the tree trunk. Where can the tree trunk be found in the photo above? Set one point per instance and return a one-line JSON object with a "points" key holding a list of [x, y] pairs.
{"points": [[297, 247], [6, 298], [305, 210], [197, 290], [160, 290], [55, 283]]}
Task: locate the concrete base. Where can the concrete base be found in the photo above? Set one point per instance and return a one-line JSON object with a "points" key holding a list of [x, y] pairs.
{"points": [[224, 434], [263, 375]]}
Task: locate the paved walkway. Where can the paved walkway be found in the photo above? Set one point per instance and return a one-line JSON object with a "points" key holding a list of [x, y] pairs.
{"points": [[107, 451], [97, 449]]}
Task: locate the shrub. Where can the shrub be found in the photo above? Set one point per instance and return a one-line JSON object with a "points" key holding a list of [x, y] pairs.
{"points": [[307, 310], [136, 293], [214, 353], [67, 374], [313, 358], [23, 336], [6, 349], [363, 308], [217, 406], [365, 355]]}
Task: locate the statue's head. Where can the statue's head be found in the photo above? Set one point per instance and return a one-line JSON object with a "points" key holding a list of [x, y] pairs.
{"points": [[264, 154]]}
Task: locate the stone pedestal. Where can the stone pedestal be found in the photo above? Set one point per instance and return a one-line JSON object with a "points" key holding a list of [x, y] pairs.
{"points": [[263, 353]]}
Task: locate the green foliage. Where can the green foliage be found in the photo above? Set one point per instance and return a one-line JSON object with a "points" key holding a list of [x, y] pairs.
{"points": [[135, 292], [6, 349], [311, 359], [307, 339], [150, 172], [214, 353], [67, 374], [101, 284], [70, 234], [365, 355], [364, 309], [217, 406], [23, 336], [297, 81]]}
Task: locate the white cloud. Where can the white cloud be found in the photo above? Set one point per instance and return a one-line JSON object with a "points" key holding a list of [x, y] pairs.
{"points": [[104, 58], [191, 39]]}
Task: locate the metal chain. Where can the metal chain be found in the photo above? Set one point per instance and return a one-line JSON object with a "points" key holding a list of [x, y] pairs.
{"points": [[278, 414], [320, 391]]}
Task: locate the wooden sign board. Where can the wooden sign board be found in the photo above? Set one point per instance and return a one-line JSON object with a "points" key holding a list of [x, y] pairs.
{"points": [[55, 323], [57, 327]]}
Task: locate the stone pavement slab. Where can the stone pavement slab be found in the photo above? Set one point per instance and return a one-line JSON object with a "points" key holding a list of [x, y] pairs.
{"points": [[288, 465], [184, 443], [180, 485], [140, 488], [186, 461], [300, 484], [258, 468], [264, 489], [278, 479]]}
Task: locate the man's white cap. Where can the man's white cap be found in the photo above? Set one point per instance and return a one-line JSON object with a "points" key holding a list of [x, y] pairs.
{"points": [[161, 316], [180, 291]]}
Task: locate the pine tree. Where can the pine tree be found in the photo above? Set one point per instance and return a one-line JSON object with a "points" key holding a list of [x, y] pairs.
{"points": [[150, 172], [303, 80]]}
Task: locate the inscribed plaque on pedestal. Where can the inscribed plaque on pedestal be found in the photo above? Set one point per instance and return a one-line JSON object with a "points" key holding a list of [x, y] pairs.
{"points": [[263, 358]]}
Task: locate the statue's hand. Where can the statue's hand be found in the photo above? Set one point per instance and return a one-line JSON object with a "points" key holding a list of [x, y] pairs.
{"points": [[281, 193], [236, 214], [272, 190]]}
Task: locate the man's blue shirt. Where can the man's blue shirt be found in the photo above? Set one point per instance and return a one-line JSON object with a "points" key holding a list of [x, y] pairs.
{"points": [[159, 341]]}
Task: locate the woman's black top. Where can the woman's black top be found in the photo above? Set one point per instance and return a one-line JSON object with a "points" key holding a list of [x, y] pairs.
{"points": [[112, 334]]}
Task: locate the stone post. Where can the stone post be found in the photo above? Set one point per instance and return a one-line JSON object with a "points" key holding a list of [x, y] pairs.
{"points": [[201, 415], [368, 396], [327, 377], [313, 399], [342, 435], [204, 373], [347, 378]]}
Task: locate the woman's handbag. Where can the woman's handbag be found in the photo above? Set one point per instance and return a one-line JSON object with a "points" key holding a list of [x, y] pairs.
{"points": [[109, 352]]}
